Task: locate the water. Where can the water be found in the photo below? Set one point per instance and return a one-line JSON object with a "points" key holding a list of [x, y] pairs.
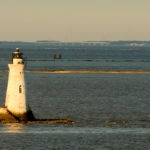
{"points": [[110, 111], [47, 137], [115, 56]]}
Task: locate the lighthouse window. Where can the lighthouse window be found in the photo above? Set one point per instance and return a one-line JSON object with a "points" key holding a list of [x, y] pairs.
{"points": [[20, 89]]}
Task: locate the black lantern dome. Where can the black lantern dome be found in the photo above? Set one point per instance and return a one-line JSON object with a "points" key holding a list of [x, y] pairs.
{"points": [[17, 54]]}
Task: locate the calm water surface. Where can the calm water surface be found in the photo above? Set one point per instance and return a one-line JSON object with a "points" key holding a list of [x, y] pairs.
{"points": [[110, 111], [49, 137], [96, 102]]}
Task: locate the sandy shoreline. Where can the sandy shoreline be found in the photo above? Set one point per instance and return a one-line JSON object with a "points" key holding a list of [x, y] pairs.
{"points": [[92, 71]]}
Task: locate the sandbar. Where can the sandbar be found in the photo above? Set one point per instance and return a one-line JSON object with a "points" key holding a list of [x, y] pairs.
{"points": [[92, 71]]}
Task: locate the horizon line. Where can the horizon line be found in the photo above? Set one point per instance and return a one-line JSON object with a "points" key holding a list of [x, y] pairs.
{"points": [[86, 41]]}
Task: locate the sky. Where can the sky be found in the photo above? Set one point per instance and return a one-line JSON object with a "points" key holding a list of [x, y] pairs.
{"points": [[74, 20]]}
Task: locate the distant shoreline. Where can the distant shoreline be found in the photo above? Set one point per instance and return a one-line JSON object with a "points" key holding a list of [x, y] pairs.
{"points": [[92, 71]]}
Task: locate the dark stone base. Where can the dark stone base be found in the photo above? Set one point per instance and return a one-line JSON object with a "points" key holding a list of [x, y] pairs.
{"points": [[8, 117], [28, 116]]}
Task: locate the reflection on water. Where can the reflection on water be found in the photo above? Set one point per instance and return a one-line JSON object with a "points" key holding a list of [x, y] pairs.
{"points": [[41, 137], [12, 128], [46, 129]]}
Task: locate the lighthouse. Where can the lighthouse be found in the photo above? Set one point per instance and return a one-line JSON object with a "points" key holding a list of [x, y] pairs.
{"points": [[16, 102]]}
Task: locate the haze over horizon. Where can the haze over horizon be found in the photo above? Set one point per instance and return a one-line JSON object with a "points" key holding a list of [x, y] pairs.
{"points": [[79, 20]]}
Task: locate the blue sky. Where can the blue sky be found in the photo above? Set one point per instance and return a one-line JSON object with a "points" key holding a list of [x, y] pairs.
{"points": [[74, 20]]}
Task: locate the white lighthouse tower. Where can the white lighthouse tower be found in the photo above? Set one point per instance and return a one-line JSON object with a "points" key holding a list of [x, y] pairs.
{"points": [[16, 103]]}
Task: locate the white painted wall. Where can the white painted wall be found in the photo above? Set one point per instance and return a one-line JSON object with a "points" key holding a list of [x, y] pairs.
{"points": [[16, 91]]}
